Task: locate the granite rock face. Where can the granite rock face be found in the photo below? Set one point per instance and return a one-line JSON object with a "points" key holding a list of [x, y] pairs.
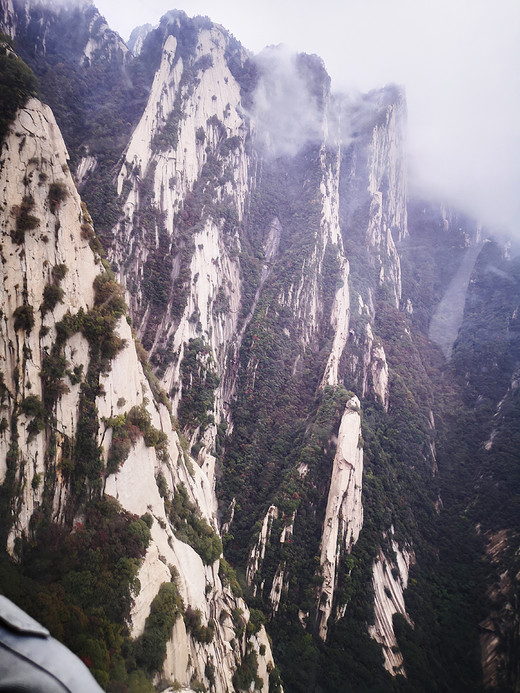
{"points": [[281, 304]]}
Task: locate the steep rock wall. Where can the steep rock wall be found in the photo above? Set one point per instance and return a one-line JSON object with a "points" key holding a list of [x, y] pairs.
{"points": [[263, 284], [190, 136], [374, 184], [45, 231], [91, 37], [373, 220], [7, 17], [389, 580], [39, 235], [258, 552], [344, 513]]}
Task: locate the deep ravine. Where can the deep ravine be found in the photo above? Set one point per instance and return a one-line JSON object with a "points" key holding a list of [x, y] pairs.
{"points": [[237, 451]]}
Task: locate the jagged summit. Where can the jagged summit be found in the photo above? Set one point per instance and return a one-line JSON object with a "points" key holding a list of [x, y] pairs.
{"points": [[135, 42]]}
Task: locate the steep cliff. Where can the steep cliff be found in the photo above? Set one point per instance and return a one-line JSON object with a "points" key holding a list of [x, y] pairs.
{"points": [[344, 513], [189, 143], [390, 580], [267, 375], [8, 18], [78, 409]]}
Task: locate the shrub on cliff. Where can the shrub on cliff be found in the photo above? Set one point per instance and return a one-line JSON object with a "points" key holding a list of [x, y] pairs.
{"points": [[24, 318], [17, 85], [150, 647], [57, 194]]}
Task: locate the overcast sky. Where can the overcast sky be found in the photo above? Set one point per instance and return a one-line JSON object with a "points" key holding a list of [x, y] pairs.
{"points": [[459, 61]]}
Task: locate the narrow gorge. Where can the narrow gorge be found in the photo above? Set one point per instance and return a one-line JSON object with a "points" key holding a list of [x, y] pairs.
{"points": [[259, 402]]}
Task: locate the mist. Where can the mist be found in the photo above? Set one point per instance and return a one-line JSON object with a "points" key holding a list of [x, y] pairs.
{"points": [[456, 59], [286, 114]]}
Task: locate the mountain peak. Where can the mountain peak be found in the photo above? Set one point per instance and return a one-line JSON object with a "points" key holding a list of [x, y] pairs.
{"points": [[222, 412]]}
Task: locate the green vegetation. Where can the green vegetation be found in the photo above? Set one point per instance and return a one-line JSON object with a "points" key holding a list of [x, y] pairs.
{"points": [[76, 375], [126, 428], [25, 221], [431, 260], [17, 85], [277, 402], [80, 584], [193, 529], [52, 295], [150, 647], [124, 436], [199, 382], [58, 193], [33, 408], [54, 367], [201, 633], [247, 673], [58, 272], [24, 318], [98, 326], [256, 621], [229, 578]]}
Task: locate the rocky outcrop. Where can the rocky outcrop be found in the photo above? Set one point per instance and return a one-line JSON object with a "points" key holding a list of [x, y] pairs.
{"points": [[280, 580], [499, 630], [94, 39], [191, 129], [103, 42], [137, 37], [389, 581], [41, 240], [257, 554], [388, 212], [374, 182], [49, 274], [7, 18], [344, 513], [340, 317]]}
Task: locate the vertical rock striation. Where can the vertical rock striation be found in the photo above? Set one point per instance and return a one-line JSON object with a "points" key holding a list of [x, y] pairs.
{"points": [[277, 280], [390, 580], [344, 513], [50, 278]]}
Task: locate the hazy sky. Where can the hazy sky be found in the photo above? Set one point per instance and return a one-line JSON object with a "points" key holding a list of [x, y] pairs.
{"points": [[459, 61]]}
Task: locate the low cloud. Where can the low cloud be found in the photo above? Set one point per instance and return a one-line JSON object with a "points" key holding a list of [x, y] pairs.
{"points": [[457, 60], [286, 112]]}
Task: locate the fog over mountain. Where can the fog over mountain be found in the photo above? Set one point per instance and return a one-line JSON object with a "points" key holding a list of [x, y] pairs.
{"points": [[458, 61]]}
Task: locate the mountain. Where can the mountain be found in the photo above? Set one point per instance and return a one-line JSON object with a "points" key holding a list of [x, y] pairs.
{"points": [[246, 337]]}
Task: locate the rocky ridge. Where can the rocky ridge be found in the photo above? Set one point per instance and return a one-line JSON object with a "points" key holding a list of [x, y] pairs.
{"points": [[277, 288], [35, 177]]}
